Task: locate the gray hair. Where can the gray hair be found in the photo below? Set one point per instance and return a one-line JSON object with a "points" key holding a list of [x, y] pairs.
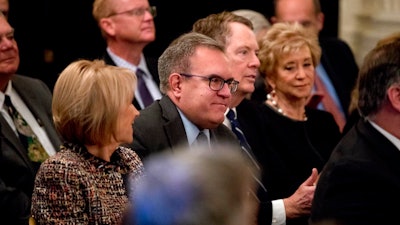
{"points": [[258, 20], [380, 70], [176, 58]]}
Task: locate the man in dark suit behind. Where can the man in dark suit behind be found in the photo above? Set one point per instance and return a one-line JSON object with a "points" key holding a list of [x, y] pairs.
{"points": [[361, 181], [197, 82], [32, 99], [128, 27], [338, 69]]}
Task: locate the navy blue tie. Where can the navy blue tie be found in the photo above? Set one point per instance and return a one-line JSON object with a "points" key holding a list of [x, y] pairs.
{"points": [[243, 142], [236, 129], [240, 135], [144, 92]]}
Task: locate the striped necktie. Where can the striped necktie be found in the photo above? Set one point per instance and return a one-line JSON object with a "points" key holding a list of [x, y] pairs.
{"points": [[240, 135], [243, 142]]}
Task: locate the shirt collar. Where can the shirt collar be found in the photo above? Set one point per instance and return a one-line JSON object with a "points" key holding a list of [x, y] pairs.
{"points": [[388, 135], [123, 63], [191, 129]]}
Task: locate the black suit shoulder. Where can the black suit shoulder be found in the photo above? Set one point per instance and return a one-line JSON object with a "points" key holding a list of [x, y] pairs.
{"points": [[251, 121], [323, 131], [360, 182]]}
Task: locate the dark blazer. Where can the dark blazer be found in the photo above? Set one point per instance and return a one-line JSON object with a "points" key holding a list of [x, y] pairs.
{"points": [[159, 127], [340, 65], [151, 65], [361, 181], [292, 149], [250, 119], [17, 173]]}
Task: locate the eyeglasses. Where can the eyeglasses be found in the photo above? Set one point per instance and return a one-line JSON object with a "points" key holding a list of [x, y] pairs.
{"points": [[216, 83], [138, 12]]}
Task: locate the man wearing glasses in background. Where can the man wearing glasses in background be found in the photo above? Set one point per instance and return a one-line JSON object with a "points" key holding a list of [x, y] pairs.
{"points": [[197, 83], [128, 27]]}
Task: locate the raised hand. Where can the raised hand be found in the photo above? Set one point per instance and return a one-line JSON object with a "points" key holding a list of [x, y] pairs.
{"points": [[299, 203]]}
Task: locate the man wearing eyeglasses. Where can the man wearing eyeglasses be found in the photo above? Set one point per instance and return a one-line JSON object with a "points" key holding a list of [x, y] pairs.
{"points": [[240, 43], [128, 27], [197, 83]]}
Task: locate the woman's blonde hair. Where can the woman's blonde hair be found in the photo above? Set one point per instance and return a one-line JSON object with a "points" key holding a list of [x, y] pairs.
{"points": [[87, 98], [282, 39]]}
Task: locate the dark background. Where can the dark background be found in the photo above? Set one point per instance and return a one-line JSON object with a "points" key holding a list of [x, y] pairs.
{"points": [[53, 33]]}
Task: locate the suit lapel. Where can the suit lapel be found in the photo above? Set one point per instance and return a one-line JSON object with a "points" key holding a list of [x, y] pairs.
{"points": [[30, 100], [34, 104], [12, 138], [173, 125]]}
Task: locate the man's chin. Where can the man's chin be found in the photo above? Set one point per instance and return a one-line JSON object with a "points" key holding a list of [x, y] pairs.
{"points": [[8, 69]]}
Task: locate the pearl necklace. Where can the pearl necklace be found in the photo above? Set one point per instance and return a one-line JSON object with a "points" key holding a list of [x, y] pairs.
{"points": [[274, 104]]}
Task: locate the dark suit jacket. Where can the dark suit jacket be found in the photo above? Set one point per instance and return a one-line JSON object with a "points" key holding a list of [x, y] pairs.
{"points": [[340, 65], [361, 181], [17, 173], [249, 117], [151, 65], [292, 149], [159, 127]]}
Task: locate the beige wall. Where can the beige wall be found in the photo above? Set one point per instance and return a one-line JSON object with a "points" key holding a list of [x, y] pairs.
{"points": [[363, 22]]}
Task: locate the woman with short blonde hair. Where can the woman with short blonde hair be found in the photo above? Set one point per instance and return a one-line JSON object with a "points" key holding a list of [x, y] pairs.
{"points": [[85, 182]]}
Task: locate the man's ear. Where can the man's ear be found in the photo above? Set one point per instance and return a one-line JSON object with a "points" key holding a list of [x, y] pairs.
{"points": [[320, 21], [175, 84], [107, 26], [393, 94]]}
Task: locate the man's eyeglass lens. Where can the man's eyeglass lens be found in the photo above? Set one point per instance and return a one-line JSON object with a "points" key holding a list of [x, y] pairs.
{"points": [[217, 83], [138, 12]]}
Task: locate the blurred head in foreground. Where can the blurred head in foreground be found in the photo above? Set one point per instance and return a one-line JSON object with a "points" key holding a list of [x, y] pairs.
{"points": [[195, 187]]}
